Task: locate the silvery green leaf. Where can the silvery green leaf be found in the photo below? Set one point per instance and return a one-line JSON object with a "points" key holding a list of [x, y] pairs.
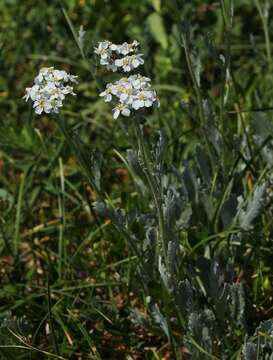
{"points": [[172, 255], [81, 35], [214, 279], [197, 67], [160, 320], [183, 190], [265, 333], [249, 351], [261, 343], [149, 250], [209, 273], [213, 133], [160, 146], [164, 274], [184, 219], [134, 164], [138, 318], [150, 238], [171, 208], [237, 304], [184, 297], [222, 304], [199, 324], [190, 182], [254, 207]]}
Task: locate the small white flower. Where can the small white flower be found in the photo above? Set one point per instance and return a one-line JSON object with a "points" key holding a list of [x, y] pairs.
{"points": [[145, 98], [102, 48], [126, 48], [42, 105], [60, 75], [33, 93], [114, 47], [129, 63], [137, 60], [139, 82], [121, 109], [107, 94]]}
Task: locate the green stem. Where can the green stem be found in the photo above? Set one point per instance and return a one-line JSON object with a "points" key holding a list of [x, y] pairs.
{"points": [[155, 191], [90, 66], [198, 95], [194, 81], [153, 186], [227, 27]]}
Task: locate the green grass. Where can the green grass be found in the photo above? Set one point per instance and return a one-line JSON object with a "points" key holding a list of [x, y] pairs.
{"points": [[70, 283]]}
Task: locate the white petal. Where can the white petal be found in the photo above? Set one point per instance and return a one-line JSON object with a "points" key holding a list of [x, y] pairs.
{"points": [[104, 55], [108, 98], [38, 110], [137, 104], [126, 112], [104, 61], [119, 62], [123, 96], [116, 113], [135, 63], [114, 47], [148, 103]]}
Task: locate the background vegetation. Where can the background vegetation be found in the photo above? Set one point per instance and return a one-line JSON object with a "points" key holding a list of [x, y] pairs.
{"points": [[68, 280]]}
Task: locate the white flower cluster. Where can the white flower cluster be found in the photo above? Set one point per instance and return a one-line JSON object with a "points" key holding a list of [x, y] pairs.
{"points": [[109, 52], [49, 90], [133, 92]]}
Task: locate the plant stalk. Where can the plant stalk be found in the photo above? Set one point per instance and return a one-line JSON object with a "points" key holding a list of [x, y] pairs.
{"points": [[153, 186]]}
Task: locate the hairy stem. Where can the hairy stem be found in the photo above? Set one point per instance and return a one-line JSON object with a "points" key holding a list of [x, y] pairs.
{"points": [[153, 186]]}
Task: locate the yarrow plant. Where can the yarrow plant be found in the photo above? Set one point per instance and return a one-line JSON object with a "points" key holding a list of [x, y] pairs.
{"points": [[174, 276], [133, 92], [50, 89]]}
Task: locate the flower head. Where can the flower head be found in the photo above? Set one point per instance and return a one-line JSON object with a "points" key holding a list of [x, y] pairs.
{"points": [[121, 109], [133, 92], [129, 63], [109, 55], [49, 90]]}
